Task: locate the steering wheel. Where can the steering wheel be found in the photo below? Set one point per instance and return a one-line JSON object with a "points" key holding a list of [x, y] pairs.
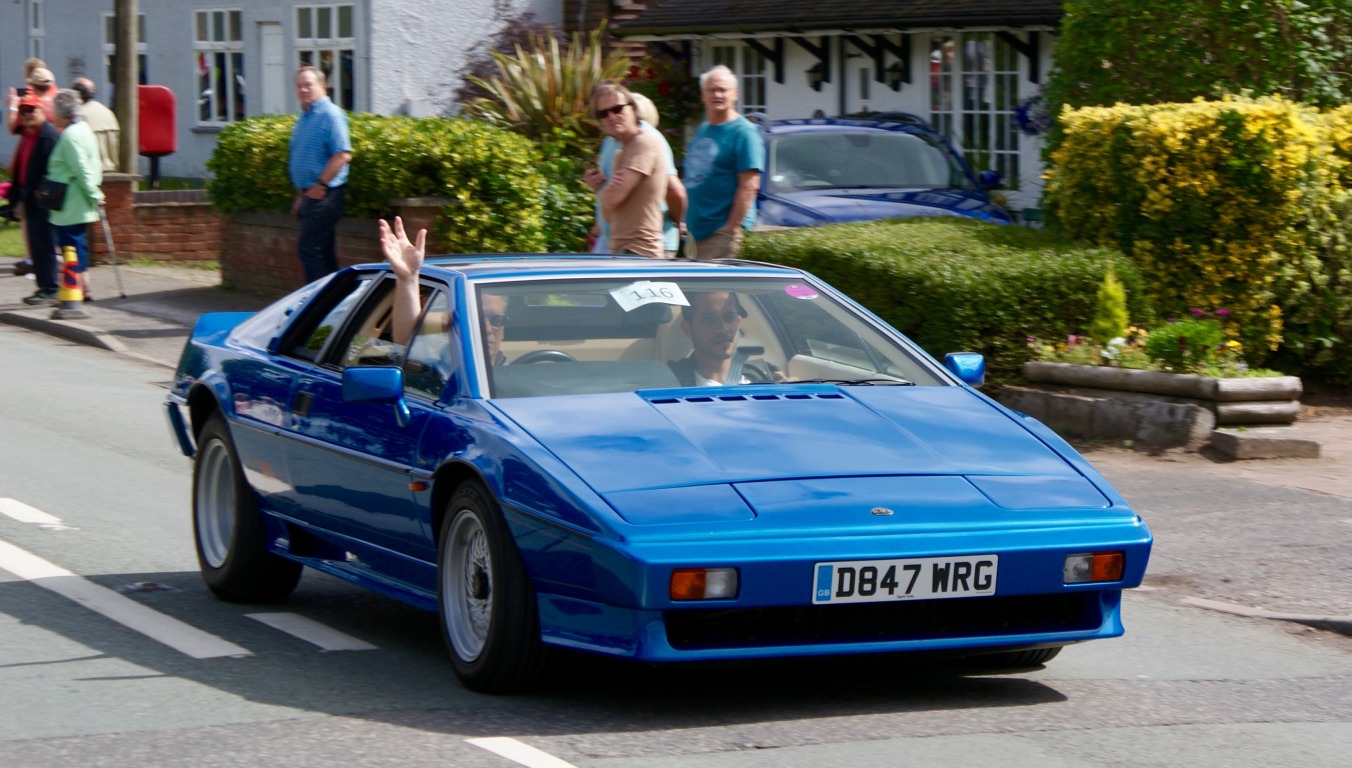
{"points": [[545, 356]]}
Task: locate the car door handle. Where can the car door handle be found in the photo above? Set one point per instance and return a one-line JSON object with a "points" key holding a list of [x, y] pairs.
{"points": [[301, 406]]}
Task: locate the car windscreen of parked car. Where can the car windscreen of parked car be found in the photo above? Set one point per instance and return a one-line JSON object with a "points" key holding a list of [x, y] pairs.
{"points": [[861, 160], [581, 336]]}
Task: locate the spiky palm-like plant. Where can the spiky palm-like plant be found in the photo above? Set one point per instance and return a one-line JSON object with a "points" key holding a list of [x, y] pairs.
{"points": [[542, 90]]}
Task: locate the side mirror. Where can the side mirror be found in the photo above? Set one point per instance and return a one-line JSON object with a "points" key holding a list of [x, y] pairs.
{"points": [[968, 366], [377, 384], [990, 180]]}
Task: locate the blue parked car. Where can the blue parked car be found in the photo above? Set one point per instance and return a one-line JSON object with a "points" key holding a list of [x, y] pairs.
{"points": [[653, 460], [830, 170]]}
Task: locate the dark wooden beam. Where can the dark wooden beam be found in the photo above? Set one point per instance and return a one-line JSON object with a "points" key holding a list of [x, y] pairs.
{"points": [[775, 54], [1026, 48], [821, 50]]}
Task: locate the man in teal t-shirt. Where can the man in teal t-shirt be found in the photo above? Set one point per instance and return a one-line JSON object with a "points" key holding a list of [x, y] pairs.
{"points": [[723, 165]]}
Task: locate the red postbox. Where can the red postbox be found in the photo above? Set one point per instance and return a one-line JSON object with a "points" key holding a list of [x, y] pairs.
{"points": [[157, 129]]}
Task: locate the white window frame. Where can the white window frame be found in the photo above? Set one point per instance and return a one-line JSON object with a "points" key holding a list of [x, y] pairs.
{"points": [[37, 28], [218, 49], [110, 49], [333, 53], [974, 85], [749, 65]]}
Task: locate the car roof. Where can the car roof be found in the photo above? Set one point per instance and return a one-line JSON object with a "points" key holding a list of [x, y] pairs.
{"points": [[901, 123], [520, 265]]}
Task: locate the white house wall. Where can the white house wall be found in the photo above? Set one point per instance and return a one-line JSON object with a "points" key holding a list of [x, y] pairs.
{"points": [[420, 47], [409, 54]]}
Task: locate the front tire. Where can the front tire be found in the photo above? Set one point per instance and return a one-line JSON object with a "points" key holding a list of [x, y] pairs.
{"points": [[1035, 657], [228, 528], [489, 619]]}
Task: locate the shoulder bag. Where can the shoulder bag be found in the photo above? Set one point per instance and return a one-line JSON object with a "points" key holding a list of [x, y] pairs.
{"points": [[50, 194]]}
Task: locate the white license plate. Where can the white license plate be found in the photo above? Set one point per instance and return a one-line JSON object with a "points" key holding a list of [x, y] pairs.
{"points": [[926, 578]]}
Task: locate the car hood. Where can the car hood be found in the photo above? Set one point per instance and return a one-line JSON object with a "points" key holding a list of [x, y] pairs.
{"points": [[672, 439], [840, 205]]}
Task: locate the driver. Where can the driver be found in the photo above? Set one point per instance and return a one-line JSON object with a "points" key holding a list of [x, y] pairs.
{"points": [[405, 258], [713, 321]]}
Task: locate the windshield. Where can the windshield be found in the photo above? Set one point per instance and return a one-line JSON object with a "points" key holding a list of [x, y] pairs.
{"points": [[864, 159], [567, 337]]}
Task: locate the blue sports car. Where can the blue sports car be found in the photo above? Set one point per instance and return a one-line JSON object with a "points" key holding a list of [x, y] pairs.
{"points": [[655, 460], [831, 170]]}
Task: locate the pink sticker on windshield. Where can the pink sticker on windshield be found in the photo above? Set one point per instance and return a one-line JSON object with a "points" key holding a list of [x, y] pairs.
{"points": [[801, 292]]}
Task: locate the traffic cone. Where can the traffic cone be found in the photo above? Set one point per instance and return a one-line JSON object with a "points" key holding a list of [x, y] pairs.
{"points": [[69, 293]]}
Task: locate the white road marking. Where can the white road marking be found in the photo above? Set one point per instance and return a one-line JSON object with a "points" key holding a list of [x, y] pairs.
{"points": [[26, 514], [523, 754], [311, 631], [182, 637]]}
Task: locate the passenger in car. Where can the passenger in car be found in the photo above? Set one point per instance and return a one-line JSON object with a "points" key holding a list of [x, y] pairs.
{"points": [[405, 258], [713, 321]]}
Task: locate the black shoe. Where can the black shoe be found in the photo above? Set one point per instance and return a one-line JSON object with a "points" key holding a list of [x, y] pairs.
{"points": [[22, 268], [39, 297], [87, 297]]}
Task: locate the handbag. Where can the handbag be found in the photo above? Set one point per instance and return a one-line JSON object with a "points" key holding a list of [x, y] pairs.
{"points": [[50, 194]]}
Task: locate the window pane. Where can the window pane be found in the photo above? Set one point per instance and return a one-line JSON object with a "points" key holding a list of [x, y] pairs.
{"points": [[218, 26], [221, 86], [202, 35], [307, 58], [234, 26], [109, 30], [203, 88], [303, 23], [237, 72], [323, 22], [140, 28], [345, 21], [346, 80]]}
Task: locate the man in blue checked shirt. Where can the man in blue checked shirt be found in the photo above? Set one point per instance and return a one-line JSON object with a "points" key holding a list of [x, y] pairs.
{"points": [[320, 152]]}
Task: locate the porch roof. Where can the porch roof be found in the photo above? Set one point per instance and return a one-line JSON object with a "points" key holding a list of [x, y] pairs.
{"points": [[685, 19]]}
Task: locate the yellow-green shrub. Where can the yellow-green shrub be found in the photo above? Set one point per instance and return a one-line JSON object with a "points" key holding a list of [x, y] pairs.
{"points": [[1212, 200]]}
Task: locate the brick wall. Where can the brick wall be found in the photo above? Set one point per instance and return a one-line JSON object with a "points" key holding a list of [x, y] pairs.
{"points": [[178, 225], [256, 251]]}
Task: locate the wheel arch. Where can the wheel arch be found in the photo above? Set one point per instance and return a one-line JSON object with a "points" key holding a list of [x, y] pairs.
{"points": [[203, 403], [448, 477]]}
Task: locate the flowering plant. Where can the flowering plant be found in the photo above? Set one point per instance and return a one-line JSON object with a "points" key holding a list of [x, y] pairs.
{"points": [[1195, 344], [673, 90], [1032, 116]]}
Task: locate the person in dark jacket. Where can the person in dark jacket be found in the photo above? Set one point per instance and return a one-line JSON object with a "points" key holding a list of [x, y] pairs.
{"points": [[37, 139]]}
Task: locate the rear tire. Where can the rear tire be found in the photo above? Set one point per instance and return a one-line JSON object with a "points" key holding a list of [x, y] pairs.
{"points": [[489, 618], [228, 528]]}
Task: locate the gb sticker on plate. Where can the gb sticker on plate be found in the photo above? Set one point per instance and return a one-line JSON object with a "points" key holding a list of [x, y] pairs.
{"points": [[643, 292]]}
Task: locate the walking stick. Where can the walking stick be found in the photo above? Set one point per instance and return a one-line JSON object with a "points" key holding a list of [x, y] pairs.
{"points": [[112, 252]]}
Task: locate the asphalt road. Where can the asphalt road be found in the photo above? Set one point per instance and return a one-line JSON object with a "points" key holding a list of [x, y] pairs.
{"points": [[91, 487]]}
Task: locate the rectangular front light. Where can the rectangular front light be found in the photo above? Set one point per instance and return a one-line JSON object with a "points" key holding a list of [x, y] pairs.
{"points": [[1093, 567], [703, 583]]}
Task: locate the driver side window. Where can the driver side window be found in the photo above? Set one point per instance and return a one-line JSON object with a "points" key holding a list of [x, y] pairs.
{"points": [[430, 362]]}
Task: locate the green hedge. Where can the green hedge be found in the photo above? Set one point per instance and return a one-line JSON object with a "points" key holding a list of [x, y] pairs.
{"points": [[1239, 204], [493, 178], [955, 285]]}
